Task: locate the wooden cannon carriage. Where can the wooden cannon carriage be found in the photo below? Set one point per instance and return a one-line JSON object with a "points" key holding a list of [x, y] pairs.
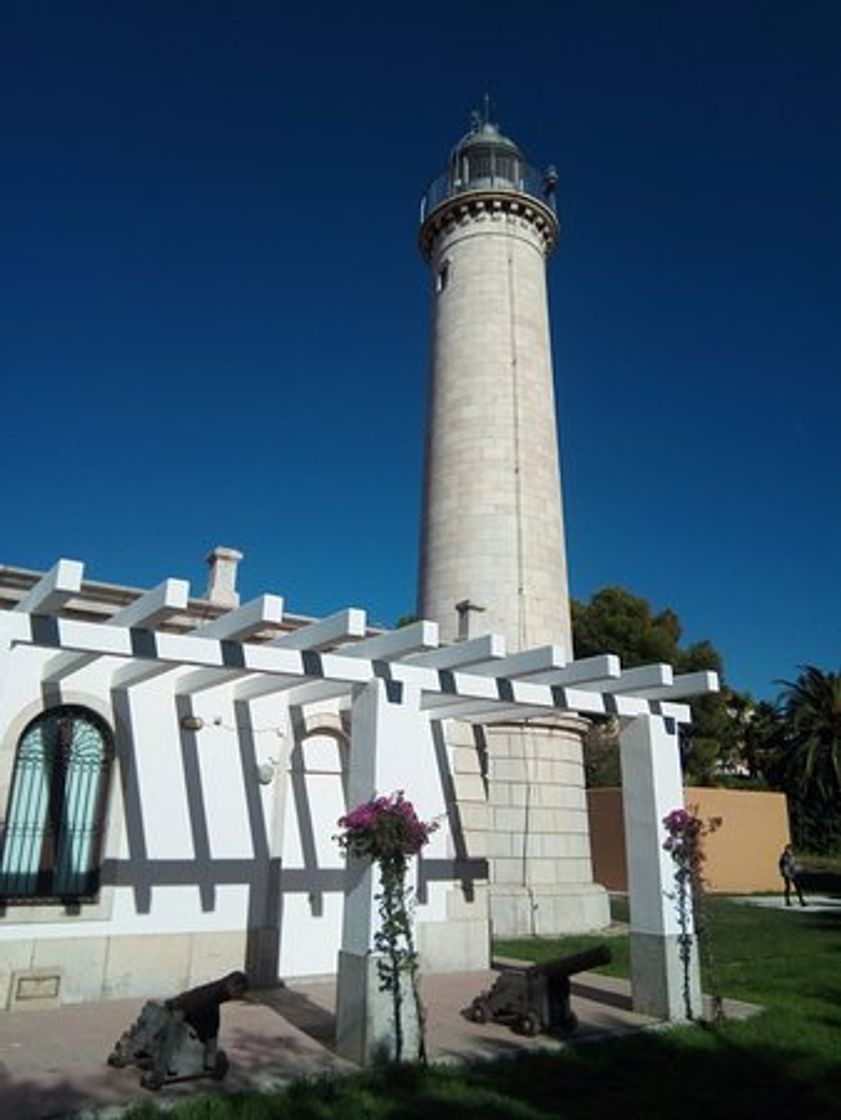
{"points": [[537, 997], [176, 1039]]}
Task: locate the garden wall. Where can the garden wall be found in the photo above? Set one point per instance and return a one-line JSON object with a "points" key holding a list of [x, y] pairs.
{"points": [[741, 855]]}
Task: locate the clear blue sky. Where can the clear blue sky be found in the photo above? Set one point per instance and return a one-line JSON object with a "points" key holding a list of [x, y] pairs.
{"points": [[214, 318]]}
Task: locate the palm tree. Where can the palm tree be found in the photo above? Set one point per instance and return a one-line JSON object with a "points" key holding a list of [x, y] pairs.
{"points": [[810, 755]]}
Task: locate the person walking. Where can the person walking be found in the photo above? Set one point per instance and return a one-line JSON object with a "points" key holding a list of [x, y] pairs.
{"points": [[791, 875]]}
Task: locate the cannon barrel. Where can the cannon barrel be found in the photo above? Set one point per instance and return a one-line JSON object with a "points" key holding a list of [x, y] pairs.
{"points": [[577, 962]]}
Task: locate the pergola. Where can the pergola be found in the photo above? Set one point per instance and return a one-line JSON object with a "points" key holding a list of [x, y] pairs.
{"points": [[385, 680]]}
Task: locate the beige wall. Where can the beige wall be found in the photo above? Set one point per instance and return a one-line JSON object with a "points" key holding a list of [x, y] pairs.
{"points": [[741, 854]]}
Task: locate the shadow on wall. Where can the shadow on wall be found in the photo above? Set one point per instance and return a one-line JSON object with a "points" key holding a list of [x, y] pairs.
{"points": [[741, 856], [283, 892]]}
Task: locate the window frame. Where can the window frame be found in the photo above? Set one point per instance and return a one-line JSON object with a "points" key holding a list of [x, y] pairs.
{"points": [[58, 781]]}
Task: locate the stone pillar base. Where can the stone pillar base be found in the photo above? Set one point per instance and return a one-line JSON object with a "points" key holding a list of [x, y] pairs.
{"points": [[659, 981], [365, 1015], [548, 911]]}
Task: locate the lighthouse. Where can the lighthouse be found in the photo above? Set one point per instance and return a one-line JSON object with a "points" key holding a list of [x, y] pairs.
{"points": [[492, 554]]}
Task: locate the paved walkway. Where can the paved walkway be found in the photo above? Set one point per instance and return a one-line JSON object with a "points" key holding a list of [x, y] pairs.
{"points": [[52, 1063], [815, 903]]}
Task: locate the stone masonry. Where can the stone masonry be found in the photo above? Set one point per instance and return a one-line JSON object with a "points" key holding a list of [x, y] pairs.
{"points": [[492, 530]]}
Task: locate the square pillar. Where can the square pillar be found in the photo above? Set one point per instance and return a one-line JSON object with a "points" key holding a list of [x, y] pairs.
{"points": [[386, 750], [651, 787]]}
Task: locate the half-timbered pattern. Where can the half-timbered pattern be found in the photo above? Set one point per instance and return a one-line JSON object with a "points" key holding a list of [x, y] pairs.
{"points": [[171, 775]]}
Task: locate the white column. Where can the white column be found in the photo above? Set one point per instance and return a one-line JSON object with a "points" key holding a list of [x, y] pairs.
{"points": [[385, 752], [651, 787]]}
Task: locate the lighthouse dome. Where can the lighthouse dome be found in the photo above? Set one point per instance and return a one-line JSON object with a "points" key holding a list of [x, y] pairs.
{"points": [[485, 158]]}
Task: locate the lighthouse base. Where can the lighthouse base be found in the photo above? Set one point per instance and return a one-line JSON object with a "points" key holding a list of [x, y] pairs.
{"points": [[541, 877], [548, 911]]}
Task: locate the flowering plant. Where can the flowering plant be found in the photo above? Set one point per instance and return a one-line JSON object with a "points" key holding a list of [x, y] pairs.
{"points": [[384, 828], [389, 831], [685, 833]]}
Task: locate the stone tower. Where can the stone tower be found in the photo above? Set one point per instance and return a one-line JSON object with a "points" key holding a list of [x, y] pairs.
{"points": [[492, 535]]}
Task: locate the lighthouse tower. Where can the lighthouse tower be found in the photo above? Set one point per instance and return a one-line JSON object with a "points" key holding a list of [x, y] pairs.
{"points": [[492, 536]]}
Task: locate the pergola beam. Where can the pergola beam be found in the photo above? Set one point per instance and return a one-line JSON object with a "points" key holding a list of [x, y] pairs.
{"points": [[637, 680], [483, 698], [53, 589], [342, 626], [382, 647], [237, 624], [687, 684], [394, 644], [148, 610], [460, 655], [541, 659], [605, 666]]}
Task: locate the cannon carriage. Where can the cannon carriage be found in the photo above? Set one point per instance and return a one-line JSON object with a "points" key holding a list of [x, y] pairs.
{"points": [[536, 998]]}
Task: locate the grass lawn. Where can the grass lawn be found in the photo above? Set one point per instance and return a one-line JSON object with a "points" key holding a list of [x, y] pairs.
{"points": [[786, 1063]]}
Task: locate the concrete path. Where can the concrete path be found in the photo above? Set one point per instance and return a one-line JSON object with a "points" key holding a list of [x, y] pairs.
{"points": [[52, 1063], [815, 903]]}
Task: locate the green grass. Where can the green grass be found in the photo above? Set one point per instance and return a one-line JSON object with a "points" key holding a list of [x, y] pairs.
{"points": [[785, 1063]]}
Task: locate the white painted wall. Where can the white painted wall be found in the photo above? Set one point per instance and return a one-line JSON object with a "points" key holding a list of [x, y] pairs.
{"points": [[236, 821]]}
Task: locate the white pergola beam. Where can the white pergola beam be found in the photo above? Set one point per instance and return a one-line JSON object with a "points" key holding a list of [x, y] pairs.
{"points": [[53, 589], [636, 680], [147, 611], [242, 622], [341, 626], [541, 659], [701, 683], [474, 651], [485, 695], [154, 606], [299, 695], [605, 666], [396, 643], [245, 621], [576, 672], [415, 638]]}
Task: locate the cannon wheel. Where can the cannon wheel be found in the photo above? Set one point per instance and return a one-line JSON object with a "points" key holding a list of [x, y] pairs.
{"points": [[479, 1011], [221, 1067], [529, 1024], [152, 1080]]}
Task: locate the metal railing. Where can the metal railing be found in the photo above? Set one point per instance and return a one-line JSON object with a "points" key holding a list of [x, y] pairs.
{"points": [[526, 180]]}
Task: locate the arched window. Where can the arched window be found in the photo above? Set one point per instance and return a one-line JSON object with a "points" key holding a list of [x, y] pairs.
{"points": [[52, 840]]}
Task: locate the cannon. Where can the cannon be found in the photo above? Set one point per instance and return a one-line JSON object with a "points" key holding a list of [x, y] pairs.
{"points": [[176, 1039], [537, 997]]}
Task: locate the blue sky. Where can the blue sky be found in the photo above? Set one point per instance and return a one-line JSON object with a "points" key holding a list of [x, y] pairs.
{"points": [[214, 317]]}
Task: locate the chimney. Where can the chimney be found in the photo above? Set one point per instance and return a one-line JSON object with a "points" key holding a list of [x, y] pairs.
{"points": [[222, 579]]}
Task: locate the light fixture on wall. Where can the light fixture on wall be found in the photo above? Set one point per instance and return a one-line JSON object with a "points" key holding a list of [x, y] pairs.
{"points": [[266, 771], [192, 723]]}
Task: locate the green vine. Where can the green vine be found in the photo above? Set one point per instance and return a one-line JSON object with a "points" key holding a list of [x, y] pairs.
{"points": [[685, 843], [388, 831]]}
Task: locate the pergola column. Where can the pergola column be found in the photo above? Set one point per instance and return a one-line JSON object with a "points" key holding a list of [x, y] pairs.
{"points": [[385, 757], [651, 788]]}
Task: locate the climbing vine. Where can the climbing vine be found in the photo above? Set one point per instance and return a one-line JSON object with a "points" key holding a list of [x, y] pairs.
{"points": [[389, 831], [685, 834]]}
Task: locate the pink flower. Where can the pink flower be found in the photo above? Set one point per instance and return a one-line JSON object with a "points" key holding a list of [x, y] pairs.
{"points": [[384, 827]]}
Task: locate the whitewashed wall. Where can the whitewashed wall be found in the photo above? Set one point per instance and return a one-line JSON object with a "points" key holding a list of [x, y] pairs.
{"points": [[205, 867]]}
